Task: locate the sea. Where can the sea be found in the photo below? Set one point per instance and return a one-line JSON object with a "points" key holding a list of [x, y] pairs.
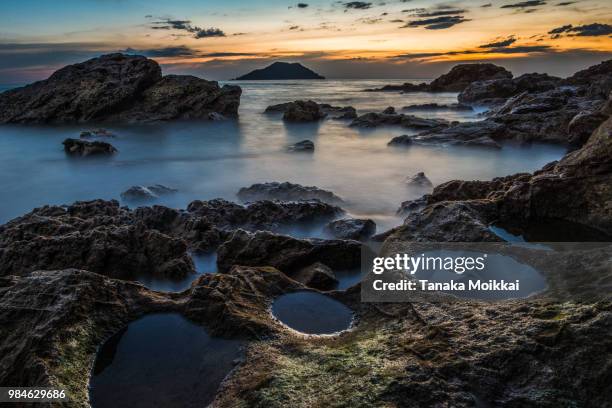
{"points": [[206, 160]]}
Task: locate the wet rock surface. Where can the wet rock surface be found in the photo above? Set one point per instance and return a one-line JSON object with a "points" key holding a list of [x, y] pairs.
{"points": [[351, 228], [83, 148], [286, 192], [310, 111], [142, 193], [303, 146], [418, 180], [373, 119], [116, 88], [318, 276]]}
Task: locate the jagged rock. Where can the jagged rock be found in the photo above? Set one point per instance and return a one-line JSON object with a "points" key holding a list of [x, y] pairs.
{"points": [[116, 88], [286, 192], [82, 148], [403, 140], [582, 126], [351, 228], [410, 206], [437, 106], [481, 133], [390, 110], [303, 146], [142, 193], [341, 112], [303, 111], [287, 254], [373, 119], [496, 91], [596, 81], [456, 80], [318, 276], [418, 180]]}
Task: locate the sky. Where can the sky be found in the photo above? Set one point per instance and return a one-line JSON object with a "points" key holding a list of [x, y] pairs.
{"points": [[219, 40]]}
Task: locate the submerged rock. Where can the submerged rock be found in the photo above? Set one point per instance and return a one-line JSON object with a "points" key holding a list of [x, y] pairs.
{"points": [[309, 111], [142, 193], [82, 148], [373, 119], [351, 228], [480, 134], [437, 106], [286, 192], [389, 110], [418, 180], [116, 88], [303, 146]]}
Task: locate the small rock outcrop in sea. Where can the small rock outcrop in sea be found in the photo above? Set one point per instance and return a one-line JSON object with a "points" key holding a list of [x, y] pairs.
{"points": [[117, 88], [373, 119], [289, 255], [279, 71], [456, 80], [84, 148], [310, 111], [318, 276], [303, 146], [482, 133], [437, 106], [286, 192], [142, 193], [389, 110], [351, 228], [418, 180]]}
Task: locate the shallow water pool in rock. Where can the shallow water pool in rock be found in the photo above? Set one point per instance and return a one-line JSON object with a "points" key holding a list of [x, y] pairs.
{"points": [[161, 360], [312, 313]]}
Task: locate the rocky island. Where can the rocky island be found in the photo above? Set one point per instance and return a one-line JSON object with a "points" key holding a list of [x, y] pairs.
{"points": [[280, 71]]}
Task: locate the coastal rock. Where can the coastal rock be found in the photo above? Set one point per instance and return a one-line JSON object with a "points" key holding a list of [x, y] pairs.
{"points": [[303, 146], [437, 106], [582, 126], [390, 110], [280, 71], [83, 148], [418, 180], [481, 133], [86, 134], [402, 141], [142, 193], [318, 276], [595, 81], [285, 253], [341, 112], [303, 111], [351, 228], [495, 91], [286, 192], [116, 88], [373, 119], [456, 80]]}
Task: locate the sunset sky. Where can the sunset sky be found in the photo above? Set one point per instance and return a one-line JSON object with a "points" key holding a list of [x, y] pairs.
{"points": [[339, 39]]}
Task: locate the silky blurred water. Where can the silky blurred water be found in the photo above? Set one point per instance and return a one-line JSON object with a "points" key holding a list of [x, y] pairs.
{"points": [[205, 160]]}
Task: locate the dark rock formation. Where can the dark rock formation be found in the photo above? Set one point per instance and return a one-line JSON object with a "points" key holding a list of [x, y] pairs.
{"points": [[285, 253], [418, 180], [116, 88], [390, 110], [373, 119], [495, 91], [83, 148], [309, 111], [595, 81], [303, 146], [341, 112], [286, 192], [481, 134], [279, 71], [351, 228], [318, 276], [456, 80], [142, 193], [86, 134], [437, 106]]}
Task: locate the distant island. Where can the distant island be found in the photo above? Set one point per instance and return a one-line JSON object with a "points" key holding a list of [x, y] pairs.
{"points": [[281, 70]]}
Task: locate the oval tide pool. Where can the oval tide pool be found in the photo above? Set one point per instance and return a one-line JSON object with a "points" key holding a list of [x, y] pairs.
{"points": [[161, 360], [312, 313]]}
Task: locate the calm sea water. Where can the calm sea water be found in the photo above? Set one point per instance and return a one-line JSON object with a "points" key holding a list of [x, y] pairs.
{"points": [[215, 159]]}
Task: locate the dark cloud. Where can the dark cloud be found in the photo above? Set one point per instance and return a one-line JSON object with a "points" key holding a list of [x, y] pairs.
{"points": [[360, 5], [525, 4], [522, 49], [437, 23], [438, 13], [486, 5], [295, 27], [178, 51], [302, 5], [497, 44], [565, 3], [185, 25], [370, 20], [396, 21], [587, 30]]}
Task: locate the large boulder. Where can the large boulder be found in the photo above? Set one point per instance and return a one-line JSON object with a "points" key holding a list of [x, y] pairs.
{"points": [[303, 111], [351, 228], [286, 192], [116, 88], [462, 75]]}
